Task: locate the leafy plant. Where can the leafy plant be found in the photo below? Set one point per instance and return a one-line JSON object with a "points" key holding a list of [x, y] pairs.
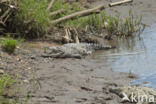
{"points": [[9, 45]]}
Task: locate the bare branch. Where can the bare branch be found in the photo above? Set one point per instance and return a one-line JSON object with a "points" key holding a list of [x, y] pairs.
{"points": [[51, 4], [78, 14], [119, 2]]}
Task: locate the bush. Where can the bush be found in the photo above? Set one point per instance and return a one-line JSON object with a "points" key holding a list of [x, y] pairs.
{"points": [[9, 45], [32, 18]]}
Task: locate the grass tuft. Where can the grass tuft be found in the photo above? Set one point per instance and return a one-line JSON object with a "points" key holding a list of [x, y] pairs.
{"points": [[32, 18], [9, 45], [114, 25], [5, 82]]}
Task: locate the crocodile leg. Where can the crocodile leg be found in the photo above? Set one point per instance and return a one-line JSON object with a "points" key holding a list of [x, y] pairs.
{"points": [[78, 56], [53, 55]]}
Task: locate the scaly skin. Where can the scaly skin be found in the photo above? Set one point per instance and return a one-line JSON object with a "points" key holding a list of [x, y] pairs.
{"points": [[74, 50]]}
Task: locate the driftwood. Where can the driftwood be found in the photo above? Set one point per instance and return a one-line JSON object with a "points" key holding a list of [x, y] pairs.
{"points": [[4, 17], [2, 1], [71, 35], [51, 4], [5, 14], [119, 2], [79, 14], [67, 37], [76, 36], [2, 23]]}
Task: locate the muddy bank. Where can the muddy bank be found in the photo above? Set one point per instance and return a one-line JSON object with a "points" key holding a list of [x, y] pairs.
{"points": [[63, 81], [77, 81], [86, 81]]}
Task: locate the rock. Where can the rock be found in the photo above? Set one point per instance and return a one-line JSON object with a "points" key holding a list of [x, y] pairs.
{"points": [[1, 67], [33, 57], [1, 72], [109, 98], [25, 81], [86, 89], [116, 91], [136, 94]]}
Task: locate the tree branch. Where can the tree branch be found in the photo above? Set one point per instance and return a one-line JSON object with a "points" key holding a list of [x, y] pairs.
{"points": [[79, 14], [50, 5]]}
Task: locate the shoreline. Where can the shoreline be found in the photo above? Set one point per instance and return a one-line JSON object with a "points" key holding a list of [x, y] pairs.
{"points": [[72, 81]]}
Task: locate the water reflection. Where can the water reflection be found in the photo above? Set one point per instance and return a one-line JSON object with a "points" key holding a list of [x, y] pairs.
{"points": [[137, 55]]}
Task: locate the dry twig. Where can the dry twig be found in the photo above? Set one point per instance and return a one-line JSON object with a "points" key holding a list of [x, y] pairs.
{"points": [[119, 2], [51, 4]]}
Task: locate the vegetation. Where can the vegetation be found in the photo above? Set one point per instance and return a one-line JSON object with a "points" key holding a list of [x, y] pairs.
{"points": [[9, 44], [95, 21], [113, 24], [124, 27], [6, 81], [32, 19]]}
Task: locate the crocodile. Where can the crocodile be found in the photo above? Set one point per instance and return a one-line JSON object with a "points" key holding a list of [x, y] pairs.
{"points": [[74, 50]]}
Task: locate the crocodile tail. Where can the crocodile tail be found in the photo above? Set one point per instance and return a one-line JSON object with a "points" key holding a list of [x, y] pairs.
{"points": [[102, 47]]}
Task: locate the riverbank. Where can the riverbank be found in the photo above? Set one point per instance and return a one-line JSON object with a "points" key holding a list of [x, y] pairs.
{"points": [[68, 81], [63, 81]]}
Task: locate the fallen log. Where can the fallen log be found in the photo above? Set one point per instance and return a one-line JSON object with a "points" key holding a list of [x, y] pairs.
{"points": [[120, 2], [79, 14], [50, 5]]}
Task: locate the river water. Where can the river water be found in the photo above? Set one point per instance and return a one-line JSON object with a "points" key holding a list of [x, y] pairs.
{"points": [[136, 55]]}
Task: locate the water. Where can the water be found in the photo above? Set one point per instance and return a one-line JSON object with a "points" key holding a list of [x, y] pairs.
{"points": [[136, 55]]}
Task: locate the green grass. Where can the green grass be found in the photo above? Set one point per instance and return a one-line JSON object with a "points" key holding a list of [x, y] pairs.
{"points": [[95, 21], [114, 25], [34, 10], [61, 4], [32, 18], [9, 44], [124, 27], [5, 82]]}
